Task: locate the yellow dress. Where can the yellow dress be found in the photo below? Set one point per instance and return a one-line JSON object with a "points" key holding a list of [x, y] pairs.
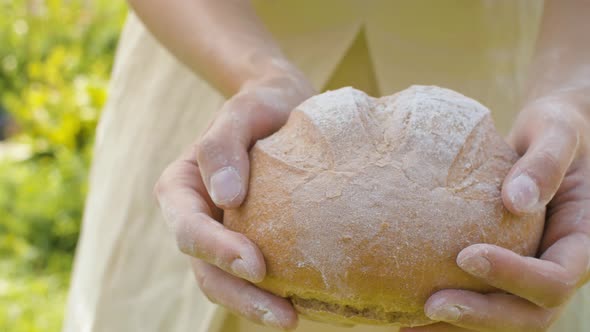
{"points": [[128, 273]]}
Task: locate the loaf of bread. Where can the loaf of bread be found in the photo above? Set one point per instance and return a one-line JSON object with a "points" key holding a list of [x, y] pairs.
{"points": [[360, 205]]}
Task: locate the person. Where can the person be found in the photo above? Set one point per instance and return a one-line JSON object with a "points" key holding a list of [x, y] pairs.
{"points": [[240, 67]]}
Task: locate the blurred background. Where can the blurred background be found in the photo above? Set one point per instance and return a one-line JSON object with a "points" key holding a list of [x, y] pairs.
{"points": [[55, 60]]}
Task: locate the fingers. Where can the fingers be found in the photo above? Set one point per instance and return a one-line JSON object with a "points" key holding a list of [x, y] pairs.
{"points": [[490, 312], [223, 150], [179, 192], [534, 179], [243, 298], [572, 253], [569, 211], [202, 237], [547, 282], [438, 327]]}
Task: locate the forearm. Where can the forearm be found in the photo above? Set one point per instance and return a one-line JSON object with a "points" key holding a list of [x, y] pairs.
{"points": [[223, 41], [562, 61]]}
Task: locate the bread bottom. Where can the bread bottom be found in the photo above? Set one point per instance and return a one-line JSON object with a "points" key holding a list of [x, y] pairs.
{"points": [[345, 314]]}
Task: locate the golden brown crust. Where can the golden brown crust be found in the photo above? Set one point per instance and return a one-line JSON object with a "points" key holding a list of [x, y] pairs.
{"points": [[360, 205]]}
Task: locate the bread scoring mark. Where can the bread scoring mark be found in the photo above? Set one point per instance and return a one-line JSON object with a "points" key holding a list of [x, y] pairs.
{"points": [[299, 144], [480, 167], [364, 112], [469, 148], [335, 115], [438, 124]]}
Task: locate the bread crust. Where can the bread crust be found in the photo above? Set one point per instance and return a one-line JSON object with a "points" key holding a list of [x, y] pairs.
{"points": [[361, 205]]}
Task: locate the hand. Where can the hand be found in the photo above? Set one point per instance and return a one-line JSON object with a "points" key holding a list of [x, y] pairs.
{"points": [[213, 175], [553, 136]]}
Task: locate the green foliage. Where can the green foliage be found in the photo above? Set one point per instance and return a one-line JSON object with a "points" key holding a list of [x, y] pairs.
{"points": [[41, 199], [31, 302], [55, 58]]}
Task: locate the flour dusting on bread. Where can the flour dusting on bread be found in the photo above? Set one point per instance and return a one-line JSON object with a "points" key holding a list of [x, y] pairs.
{"points": [[360, 204]]}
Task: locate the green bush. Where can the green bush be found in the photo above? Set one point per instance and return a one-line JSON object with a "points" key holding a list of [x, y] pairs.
{"points": [[55, 58]]}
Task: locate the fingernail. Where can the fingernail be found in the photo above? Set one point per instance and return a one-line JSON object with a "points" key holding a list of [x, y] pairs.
{"points": [[446, 313], [523, 193], [269, 319], [475, 264], [275, 317], [226, 185], [243, 269]]}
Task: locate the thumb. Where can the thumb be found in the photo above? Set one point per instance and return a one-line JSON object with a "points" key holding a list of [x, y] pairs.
{"points": [[222, 153], [537, 175]]}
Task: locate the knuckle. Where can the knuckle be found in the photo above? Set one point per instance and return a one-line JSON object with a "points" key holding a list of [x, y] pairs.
{"points": [[565, 124], [185, 238], [543, 323], [241, 112], [566, 121], [210, 297], [204, 282], [161, 185], [568, 131], [238, 101], [225, 254], [166, 180], [207, 147], [556, 111], [549, 160], [586, 274], [198, 237], [215, 148], [550, 165], [180, 236], [247, 99], [158, 188], [538, 327], [257, 102], [199, 277]]}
